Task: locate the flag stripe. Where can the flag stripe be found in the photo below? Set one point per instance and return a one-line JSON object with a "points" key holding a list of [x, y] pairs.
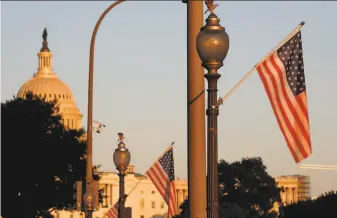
{"points": [[157, 182], [279, 68], [281, 71], [298, 123], [282, 114], [271, 95], [300, 116], [286, 106], [284, 110]]}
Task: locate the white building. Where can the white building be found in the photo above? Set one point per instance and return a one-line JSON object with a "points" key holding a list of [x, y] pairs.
{"points": [[143, 197]]}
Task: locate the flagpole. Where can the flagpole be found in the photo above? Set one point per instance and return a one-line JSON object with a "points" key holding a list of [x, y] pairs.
{"points": [[221, 100], [168, 148], [134, 187]]}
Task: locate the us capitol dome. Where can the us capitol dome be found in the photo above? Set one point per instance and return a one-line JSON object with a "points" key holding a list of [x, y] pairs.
{"points": [[45, 84]]}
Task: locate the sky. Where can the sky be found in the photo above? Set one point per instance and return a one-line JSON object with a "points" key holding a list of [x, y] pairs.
{"points": [[140, 76]]}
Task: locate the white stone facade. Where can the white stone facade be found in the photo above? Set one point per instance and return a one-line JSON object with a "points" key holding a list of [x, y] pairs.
{"points": [[144, 199]]}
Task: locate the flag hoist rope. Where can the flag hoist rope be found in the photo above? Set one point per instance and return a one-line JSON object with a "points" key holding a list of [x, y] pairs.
{"points": [[221, 100]]}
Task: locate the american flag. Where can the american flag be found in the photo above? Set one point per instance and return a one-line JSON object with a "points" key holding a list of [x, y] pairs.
{"points": [[282, 74], [162, 176], [113, 211]]}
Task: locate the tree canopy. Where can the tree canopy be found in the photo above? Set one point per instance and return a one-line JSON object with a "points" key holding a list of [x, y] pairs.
{"points": [[325, 206], [41, 158], [247, 184]]}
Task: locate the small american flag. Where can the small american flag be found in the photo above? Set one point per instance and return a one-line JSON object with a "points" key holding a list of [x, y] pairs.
{"points": [[282, 74], [162, 176], [113, 211]]}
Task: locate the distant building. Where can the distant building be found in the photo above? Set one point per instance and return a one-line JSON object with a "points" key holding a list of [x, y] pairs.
{"points": [[144, 198], [295, 188], [146, 202]]}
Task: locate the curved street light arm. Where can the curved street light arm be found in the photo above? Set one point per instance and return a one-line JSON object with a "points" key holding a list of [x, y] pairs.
{"points": [[90, 92]]}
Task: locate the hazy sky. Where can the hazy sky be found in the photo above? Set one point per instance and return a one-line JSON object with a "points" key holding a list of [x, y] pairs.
{"points": [[140, 75]]}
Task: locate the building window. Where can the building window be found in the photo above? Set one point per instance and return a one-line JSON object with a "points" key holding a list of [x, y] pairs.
{"points": [[142, 203], [71, 216], [162, 205], [72, 123], [141, 192], [153, 204], [153, 192], [141, 216]]}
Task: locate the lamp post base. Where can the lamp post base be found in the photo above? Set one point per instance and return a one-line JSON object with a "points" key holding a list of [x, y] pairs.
{"points": [[88, 214]]}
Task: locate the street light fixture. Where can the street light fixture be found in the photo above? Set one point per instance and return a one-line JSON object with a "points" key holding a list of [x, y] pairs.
{"points": [[89, 200], [212, 46], [121, 159]]}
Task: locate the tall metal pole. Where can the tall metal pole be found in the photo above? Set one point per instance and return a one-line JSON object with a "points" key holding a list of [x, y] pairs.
{"points": [[212, 46], [89, 214], [121, 207], [89, 178], [212, 148], [196, 135]]}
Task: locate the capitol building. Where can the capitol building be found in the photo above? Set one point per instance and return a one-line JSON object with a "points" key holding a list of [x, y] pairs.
{"points": [[45, 84], [143, 197]]}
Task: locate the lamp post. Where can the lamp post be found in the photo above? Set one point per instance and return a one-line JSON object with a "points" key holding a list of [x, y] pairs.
{"points": [[89, 178], [89, 200], [121, 159], [212, 46]]}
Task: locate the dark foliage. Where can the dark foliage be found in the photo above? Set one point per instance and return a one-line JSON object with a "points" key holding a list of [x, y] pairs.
{"points": [[41, 159], [247, 184], [325, 206]]}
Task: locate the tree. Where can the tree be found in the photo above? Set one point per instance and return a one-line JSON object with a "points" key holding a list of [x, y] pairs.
{"points": [[42, 159], [323, 207], [247, 184]]}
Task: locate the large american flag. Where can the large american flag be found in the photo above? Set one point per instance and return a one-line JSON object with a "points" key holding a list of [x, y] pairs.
{"points": [[282, 74], [113, 211], [162, 176]]}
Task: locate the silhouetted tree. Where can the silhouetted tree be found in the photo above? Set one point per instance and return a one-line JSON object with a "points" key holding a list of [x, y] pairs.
{"points": [[247, 184], [325, 206], [41, 159]]}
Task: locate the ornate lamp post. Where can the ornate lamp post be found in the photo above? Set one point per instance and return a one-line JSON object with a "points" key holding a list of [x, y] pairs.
{"points": [[212, 46], [122, 159], [89, 200]]}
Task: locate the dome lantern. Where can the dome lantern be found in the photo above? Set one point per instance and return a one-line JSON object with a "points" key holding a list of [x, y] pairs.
{"points": [[45, 84]]}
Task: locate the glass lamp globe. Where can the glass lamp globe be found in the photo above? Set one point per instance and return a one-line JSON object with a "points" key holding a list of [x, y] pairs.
{"points": [[121, 157], [89, 200], [212, 42]]}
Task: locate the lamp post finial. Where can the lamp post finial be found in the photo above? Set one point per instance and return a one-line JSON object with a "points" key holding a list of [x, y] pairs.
{"points": [[210, 6]]}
